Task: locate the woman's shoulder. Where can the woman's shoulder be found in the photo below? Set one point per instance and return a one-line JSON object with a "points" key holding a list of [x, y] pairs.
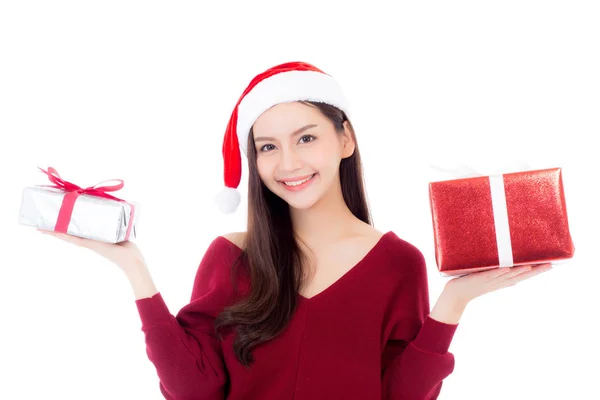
{"points": [[237, 239], [393, 242], [402, 250], [219, 258], [224, 249]]}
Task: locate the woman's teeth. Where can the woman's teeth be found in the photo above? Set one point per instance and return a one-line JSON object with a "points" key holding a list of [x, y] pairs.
{"points": [[298, 182]]}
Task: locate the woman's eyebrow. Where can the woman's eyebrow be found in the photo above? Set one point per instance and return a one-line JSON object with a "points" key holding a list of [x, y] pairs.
{"points": [[297, 132]]}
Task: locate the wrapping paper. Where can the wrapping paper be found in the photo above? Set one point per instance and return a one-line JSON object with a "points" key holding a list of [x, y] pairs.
{"points": [[85, 212], [499, 220]]}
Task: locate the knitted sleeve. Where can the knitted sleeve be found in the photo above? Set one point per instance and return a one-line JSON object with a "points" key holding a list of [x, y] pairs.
{"points": [[184, 349], [415, 359]]}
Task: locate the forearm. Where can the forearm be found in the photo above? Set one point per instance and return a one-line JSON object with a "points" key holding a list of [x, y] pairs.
{"points": [[447, 309], [140, 280]]}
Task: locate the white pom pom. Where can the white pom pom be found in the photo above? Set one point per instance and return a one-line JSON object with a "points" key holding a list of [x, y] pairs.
{"points": [[228, 200]]}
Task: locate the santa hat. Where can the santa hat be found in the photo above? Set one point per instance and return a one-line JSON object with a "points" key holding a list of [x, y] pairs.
{"points": [[292, 81]]}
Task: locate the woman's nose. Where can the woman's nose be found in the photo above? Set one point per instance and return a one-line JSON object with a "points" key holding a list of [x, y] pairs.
{"points": [[289, 160]]}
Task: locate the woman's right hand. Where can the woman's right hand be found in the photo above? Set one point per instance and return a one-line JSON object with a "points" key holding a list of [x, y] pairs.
{"points": [[470, 286], [126, 255]]}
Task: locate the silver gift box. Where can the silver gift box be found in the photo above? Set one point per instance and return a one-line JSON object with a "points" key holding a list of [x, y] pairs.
{"points": [[93, 217]]}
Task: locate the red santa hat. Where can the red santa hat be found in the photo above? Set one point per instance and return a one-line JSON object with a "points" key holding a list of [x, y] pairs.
{"points": [[292, 81]]}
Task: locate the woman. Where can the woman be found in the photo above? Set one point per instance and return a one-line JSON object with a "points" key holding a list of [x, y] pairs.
{"points": [[311, 302]]}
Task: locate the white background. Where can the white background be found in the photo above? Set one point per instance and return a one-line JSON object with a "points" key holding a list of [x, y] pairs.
{"points": [[142, 91]]}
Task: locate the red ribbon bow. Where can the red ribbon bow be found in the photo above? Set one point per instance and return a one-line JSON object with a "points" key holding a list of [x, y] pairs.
{"points": [[74, 191], [67, 186]]}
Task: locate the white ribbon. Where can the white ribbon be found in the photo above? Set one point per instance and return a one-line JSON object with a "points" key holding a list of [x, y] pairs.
{"points": [[503, 243], [500, 212]]}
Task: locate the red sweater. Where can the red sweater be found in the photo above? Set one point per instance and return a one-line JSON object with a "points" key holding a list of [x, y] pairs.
{"points": [[367, 336]]}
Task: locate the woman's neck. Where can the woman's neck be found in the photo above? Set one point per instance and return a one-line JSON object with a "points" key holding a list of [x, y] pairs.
{"points": [[326, 221]]}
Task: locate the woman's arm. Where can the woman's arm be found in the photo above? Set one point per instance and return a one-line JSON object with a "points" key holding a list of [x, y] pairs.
{"points": [[415, 358], [141, 281], [183, 348], [448, 309]]}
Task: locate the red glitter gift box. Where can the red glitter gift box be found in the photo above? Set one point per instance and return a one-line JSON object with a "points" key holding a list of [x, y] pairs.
{"points": [[502, 220]]}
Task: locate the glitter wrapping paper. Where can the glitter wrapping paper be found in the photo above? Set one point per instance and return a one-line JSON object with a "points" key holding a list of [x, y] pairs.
{"points": [[466, 225], [89, 213]]}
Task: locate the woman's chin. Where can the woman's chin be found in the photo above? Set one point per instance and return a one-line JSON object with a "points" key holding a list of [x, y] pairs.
{"points": [[296, 206], [299, 203]]}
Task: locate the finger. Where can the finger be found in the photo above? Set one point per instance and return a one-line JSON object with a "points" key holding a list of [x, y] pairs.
{"points": [[543, 265], [502, 285], [491, 274], [509, 274], [78, 241], [514, 271], [49, 233], [516, 278], [536, 270]]}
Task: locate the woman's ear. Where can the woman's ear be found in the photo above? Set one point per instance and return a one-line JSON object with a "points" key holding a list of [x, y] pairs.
{"points": [[348, 144]]}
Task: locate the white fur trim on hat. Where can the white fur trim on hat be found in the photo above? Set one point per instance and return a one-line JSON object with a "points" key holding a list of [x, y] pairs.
{"points": [[286, 87]]}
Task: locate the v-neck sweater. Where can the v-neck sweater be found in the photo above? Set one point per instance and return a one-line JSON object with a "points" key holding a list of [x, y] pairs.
{"points": [[367, 336]]}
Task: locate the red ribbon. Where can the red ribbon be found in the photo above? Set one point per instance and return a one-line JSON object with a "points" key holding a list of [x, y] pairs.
{"points": [[74, 191]]}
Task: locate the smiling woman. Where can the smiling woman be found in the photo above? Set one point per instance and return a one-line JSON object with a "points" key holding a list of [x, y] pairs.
{"points": [[303, 166], [311, 293], [292, 183], [311, 301]]}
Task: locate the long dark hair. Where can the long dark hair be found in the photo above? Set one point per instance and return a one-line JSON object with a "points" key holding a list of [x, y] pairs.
{"points": [[272, 256]]}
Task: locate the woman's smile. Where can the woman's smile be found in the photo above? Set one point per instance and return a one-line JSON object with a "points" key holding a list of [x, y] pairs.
{"points": [[297, 185]]}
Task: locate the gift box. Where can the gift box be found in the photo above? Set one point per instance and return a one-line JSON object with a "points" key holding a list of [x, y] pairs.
{"points": [[85, 212], [501, 220]]}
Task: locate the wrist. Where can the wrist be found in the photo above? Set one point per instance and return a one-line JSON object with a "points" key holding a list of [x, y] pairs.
{"points": [[141, 281], [457, 302], [448, 309], [133, 266]]}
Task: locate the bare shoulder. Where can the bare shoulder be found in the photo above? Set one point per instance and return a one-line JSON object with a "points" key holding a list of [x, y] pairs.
{"points": [[369, 233], [237, 238]]}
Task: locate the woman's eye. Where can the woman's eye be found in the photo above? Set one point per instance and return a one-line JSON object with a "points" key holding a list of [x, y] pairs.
{"points": [[265, 146], [303, 139], [307, 137]]}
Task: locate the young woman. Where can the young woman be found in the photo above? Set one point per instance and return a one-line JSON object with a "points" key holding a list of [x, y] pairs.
{"points": [[311, 302]]}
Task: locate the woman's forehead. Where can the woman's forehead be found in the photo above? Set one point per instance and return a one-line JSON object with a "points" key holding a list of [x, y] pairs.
{"points": [[285, 119]]}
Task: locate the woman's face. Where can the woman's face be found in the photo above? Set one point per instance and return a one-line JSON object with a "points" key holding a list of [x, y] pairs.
{"points": [[298, 153]]}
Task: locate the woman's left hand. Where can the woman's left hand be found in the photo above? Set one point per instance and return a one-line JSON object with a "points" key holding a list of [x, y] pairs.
{"points": [[468, 287]]}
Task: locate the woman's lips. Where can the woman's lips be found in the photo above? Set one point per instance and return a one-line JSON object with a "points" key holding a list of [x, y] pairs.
{"points": [[301, 186]]}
